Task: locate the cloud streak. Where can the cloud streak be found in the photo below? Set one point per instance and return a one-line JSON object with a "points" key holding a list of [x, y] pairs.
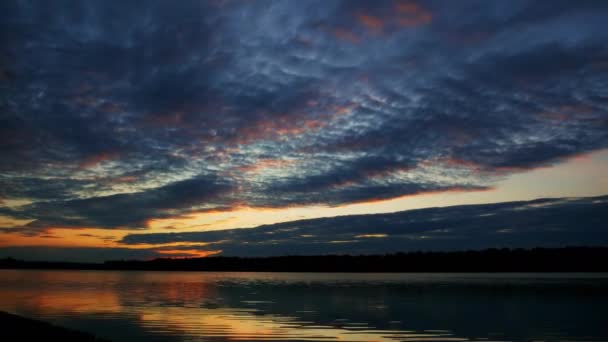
{"points": [[545, 222]]}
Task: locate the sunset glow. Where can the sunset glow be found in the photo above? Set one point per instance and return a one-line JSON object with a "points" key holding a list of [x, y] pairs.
{"points": [[208, 116]]}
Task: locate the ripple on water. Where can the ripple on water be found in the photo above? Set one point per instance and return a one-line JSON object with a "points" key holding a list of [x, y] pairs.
{"points": [[140, 306]]}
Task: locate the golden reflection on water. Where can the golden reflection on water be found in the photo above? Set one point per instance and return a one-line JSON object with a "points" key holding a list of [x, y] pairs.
{"points": [[175, 304], [242, 325], [178, 306]]}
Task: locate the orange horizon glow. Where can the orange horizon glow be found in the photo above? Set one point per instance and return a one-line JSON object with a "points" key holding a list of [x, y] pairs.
{"points": [[580, 175]]}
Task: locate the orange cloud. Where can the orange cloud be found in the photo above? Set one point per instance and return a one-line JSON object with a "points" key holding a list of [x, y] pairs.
{"points": [[285, 125], [339, 110], [371, 22], [123, 179], [187, 253], [455, 162], [58, 237], [290, 125], [410, 14], [263, 164], [97, 159]]}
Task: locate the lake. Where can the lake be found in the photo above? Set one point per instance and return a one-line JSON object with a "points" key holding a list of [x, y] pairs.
{"points": [[222, 306]]}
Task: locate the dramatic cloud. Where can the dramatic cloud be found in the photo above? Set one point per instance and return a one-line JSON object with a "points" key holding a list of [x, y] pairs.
{"points": [[550, 223], [114, 113], [546, 222], [128, 210]]}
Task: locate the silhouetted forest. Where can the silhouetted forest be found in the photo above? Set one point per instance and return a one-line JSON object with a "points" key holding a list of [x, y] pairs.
{"points": [[568, 259]]}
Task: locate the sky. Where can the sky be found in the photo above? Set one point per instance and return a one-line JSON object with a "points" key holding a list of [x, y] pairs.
{"points": [[157, 118]]}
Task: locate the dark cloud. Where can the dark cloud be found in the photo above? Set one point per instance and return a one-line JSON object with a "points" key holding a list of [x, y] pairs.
{"points": [[114, 113], [128, 210], [544, 222]]}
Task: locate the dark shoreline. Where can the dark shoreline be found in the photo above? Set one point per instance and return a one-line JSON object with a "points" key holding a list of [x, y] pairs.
{"points": [[566, 259], [25, 329]]}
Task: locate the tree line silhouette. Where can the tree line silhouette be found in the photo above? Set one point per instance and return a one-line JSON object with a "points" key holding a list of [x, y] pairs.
{"points": [[567, 259]]}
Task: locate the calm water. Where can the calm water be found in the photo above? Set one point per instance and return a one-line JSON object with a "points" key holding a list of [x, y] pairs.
{"points": [[175, 306]]}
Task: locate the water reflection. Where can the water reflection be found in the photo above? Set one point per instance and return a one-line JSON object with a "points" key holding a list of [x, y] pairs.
{"points": [[312, 307]]}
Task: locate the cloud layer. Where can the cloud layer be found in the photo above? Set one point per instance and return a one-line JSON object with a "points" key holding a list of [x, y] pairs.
{"points": [[114, 113], [545, 222]]}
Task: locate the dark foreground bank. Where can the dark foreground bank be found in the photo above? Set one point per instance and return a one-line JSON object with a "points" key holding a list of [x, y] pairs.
{"points": [[16, 328], [568, 259]]}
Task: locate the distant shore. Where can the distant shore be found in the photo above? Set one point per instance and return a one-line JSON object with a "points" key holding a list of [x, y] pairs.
{"points": [[566, 259], [17, 328]]}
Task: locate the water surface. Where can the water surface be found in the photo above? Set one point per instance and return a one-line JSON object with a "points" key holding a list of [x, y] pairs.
{"points": [[218, 306]]}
